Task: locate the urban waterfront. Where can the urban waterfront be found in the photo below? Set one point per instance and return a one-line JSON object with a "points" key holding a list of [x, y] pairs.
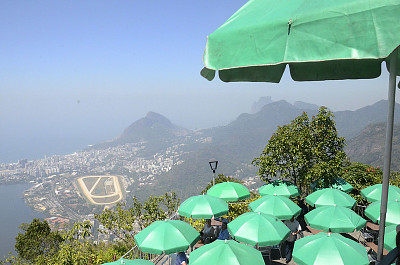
{"points": [[13, 213]]}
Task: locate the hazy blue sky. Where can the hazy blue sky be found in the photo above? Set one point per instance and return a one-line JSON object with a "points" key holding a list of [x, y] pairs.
{"points": [[74, 73]]}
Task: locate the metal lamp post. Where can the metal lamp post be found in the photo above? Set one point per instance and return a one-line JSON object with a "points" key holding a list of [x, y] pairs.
{"points": [[213, 165]]}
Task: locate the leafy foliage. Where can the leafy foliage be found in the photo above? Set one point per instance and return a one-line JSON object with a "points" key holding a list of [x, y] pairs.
{"points": [[303, 151], [121, 221], [37, 240], [39, 245], [239, 208], [361, 176]]}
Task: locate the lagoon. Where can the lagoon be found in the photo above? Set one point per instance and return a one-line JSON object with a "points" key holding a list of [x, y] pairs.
{"points": [[14, 212]]}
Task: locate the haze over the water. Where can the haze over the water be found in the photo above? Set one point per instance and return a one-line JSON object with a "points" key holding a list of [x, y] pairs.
{"points": [[74, 73]]}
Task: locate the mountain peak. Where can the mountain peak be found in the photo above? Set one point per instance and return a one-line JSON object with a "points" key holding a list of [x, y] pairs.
{"points": [[153, 126], [258, 105], [152, 117]]}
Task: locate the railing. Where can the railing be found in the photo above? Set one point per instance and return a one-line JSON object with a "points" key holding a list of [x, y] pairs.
{"points": [[391, 257], [136, 253]]}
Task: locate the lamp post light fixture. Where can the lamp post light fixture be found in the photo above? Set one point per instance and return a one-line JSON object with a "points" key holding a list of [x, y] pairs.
{"points": [[213, 165]]}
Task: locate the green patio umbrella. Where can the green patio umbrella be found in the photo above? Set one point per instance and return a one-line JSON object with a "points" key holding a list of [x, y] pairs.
{"points": [[279, 206], [203, 207], [337, 219], [330, 196], [318, 40], [229, 191], [169, 236], [390, 237], [338, 183], [258, 229], [130, 262], [226, 252], [327, 248], [392, 215], [374, 193], [279, 187]]}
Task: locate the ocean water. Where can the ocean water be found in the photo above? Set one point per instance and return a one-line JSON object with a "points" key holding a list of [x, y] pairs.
{"points": [[13, 212]]}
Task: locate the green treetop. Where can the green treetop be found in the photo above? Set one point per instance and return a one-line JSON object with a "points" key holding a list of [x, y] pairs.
{"points": [[303, 151]]}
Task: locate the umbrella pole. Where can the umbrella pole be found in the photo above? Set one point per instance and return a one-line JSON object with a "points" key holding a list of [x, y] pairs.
{"points": [[388, 151]]}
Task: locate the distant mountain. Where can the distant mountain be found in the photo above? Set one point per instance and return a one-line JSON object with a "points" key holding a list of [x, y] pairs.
{"points": [[257, 106], [368, 147], [155, 129], [249, 133], [152, 126], [304, 105], [351, 123], [234, 146], [238, 143]]}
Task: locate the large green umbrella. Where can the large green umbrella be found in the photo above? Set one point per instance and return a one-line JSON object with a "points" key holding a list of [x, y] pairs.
{"points": [[279, 187], [229, 191], [318, 40], [327, 248], [337, 219], [338, 183], [169, 236], [330, 196], [258, 229], [374, 193], [130, 262], [392, 215], [279, 206], [203, 207], [390, 237], [226, 252]]}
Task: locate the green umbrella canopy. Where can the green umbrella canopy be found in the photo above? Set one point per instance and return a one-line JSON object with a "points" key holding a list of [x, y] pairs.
{"points": [[279, 187], [203, 207], [337, 219], [258, 229], [226, 252], [279, 206], [327, 248], [390, 237], [130, 262], [330, 196], [229, 191], [338, 183], [374, 193], [319, 40], [392, 214], [169, 236]]}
